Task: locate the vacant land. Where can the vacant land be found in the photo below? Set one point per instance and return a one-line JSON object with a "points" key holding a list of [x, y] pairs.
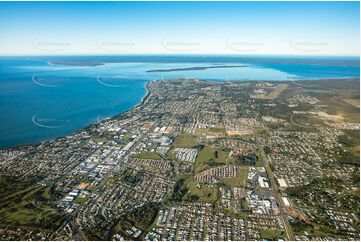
{"points": [[272, 234], [185, 140], [240, 132], [214, 131], [239, 180], [147, 155], [202, 193], [210, 157]]}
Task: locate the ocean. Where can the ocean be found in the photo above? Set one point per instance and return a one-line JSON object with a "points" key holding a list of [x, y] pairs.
{"points": [[42, 98]]}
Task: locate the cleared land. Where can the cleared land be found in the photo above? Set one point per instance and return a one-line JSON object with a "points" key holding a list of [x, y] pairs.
{"points": [[203, 193], [240, 132], [210, 157], [185, 140], [147, 155], [240, 179], [272, 234], [216, 131]]}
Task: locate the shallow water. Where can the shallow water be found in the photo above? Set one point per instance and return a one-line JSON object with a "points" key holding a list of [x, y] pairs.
{"points": [[41, 101]]}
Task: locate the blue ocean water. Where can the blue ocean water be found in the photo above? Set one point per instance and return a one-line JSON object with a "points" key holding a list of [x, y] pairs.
{"points": [[40, 100]]}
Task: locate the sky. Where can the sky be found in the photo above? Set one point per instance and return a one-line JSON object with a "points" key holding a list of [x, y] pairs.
{"points": [[238, 28]]}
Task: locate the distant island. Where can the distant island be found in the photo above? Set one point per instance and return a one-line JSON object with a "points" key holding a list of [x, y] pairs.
{"points": [[76, 63], [195, 68]]}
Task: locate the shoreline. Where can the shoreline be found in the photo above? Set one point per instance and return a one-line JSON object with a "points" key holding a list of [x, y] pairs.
{"points": [[148, 94], [36, 143]]}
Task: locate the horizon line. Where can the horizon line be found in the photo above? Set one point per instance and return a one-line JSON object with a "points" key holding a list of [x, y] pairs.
{"points": [[174, 54]]}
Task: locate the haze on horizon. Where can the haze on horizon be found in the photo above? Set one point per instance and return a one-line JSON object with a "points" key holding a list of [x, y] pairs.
{"points": [[240, 28]]}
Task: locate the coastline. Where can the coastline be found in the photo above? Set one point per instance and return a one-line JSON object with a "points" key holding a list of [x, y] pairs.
{"points": [[148, 95], [36, 143], [142, 100]]}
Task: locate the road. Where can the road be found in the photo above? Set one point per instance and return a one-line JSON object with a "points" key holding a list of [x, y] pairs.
{"points": [[275, 191], [280, 202]]}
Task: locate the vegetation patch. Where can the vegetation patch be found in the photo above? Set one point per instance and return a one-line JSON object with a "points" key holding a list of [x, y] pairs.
{"points": [[131, 177], [248, 160], [202, 193], [180, 190], [273, 234], [320, 194], [185, 141], [141, 217], [147, 155], [213, 131], [239, 180], [28, 205], [210, 157]]}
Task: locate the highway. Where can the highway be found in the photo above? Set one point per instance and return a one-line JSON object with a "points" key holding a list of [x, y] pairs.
{"points": [[280, 202]]}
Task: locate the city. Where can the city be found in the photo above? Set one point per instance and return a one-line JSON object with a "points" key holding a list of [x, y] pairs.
{"points": [[196, 160]]}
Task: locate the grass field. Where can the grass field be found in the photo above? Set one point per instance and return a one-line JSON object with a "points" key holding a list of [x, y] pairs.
{"points": [[210, 157], [127, 138], [146, 155], [46, 193], [28, 207], [240, 179], [205, 194], [98, 139], [185, 140], [215, 131], [272, 234], [80, 200]]}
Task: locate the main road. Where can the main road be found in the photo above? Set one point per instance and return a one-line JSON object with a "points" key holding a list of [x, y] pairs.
{"points": [[280, 202]]}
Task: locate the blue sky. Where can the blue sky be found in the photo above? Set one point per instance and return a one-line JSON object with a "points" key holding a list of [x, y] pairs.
{"points": [[284, 28]]}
